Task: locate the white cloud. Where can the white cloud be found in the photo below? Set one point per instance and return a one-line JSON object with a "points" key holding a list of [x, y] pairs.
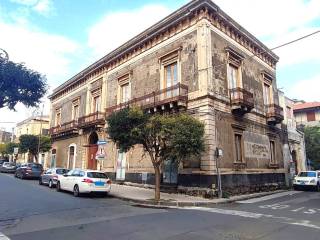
{"points": [[46, 53], [43, 7], [40, 51], [272, 17], [301, 52], [116, 28], [276, 22], [306, 89]]}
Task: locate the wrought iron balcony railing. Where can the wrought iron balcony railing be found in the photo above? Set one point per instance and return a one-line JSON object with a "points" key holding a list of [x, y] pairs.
{"points": [[93, 119], [175, 94], [241, 100], [274, 113], [67, 127]]}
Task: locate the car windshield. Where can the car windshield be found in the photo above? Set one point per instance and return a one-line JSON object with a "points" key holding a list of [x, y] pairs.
{"points": [[62, 171], [96, 175], [307, 174], [36, 166]]}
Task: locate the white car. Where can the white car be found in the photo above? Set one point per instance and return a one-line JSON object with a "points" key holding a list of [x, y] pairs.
{"points": [[307, 179], [81, 181]]}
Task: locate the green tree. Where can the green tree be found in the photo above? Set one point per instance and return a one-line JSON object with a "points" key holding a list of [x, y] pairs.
{"points": [[30, 143], [312, 140], [20, 84], [3, 149], [10, 147], [176, 137]]}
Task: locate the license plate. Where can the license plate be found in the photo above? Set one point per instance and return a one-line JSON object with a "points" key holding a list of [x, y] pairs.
{"points": [[302, 183], [99, 183]]}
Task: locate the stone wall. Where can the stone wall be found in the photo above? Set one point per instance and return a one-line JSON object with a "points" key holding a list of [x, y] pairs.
{"points": [[145, 72]]}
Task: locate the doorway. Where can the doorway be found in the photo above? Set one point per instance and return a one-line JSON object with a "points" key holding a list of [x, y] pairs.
{"points": [[53, 158], [121, 166], [294, 160], [170, 172], [93, 148], [72, 156]]}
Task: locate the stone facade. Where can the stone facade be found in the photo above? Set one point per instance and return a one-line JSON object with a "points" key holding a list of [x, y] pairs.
{"points": [[202, 49], [294, 152]]}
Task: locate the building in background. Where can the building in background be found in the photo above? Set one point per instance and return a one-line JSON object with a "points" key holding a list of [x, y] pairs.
{"points": [[197, 60], [6, 137], [307, 114], [36, 125], [294, 144]]}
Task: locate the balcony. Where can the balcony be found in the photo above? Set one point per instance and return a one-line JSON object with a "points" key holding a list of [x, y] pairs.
{"points": [[241, 100], [64, 129], [274, 114], [96, 119], [169, 98]]}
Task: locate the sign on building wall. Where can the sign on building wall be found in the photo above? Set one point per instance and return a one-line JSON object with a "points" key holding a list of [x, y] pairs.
{"points": [[256, 145]]}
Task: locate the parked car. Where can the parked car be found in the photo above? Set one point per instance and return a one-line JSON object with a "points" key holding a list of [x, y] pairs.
{"points": [[50, 177], [84, 181], [307, 179], [3, 161], [8, 167], [29, 170]]}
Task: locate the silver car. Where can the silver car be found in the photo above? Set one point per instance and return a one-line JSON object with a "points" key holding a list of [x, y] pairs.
{"points": [[50, 177]]}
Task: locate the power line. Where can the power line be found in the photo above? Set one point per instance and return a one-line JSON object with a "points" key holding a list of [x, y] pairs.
{"points": [[296, 40], [279, 46]]}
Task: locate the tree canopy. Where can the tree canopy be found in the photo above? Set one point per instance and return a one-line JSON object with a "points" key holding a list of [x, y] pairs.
{"points": [[20, 84], [312, 140], [30, 143], [173, 137]]}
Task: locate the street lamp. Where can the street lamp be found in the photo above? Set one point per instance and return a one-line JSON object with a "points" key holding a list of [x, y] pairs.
{"points": [[4, 55]]}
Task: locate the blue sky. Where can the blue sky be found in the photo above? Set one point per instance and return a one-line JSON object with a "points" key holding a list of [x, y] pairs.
{"points": [[61, 37]]}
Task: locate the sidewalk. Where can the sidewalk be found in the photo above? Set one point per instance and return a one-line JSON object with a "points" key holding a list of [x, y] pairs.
{"points": [[145, 196]]}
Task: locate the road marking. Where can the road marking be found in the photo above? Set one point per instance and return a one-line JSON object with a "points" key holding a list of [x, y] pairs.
{"points": [[277, 206], [297, 210], [285, 220], [265, 198], [3, 237]]}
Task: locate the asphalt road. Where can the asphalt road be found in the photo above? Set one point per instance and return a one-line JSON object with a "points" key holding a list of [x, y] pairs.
{"points": [[29, 211]]}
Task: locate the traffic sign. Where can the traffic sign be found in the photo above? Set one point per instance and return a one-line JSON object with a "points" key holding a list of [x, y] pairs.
{"points": [[102, 142]]}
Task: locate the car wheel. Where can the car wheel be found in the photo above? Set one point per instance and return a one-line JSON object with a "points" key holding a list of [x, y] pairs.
{"points": [[40, 181], [50, 184], [15, 175], [76, 192], [318, 187], [21, 176], [58, 187]]}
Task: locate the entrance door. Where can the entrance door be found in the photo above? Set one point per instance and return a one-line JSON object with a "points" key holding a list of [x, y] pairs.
{"points": [[92, 162], [121, 166], [71, 162], [53, 158], [170, 173]]}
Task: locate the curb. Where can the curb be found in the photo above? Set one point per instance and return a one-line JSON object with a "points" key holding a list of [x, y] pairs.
{"points": [[3, 237], [164, 204]]}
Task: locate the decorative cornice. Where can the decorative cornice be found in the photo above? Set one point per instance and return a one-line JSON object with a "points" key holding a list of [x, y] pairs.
{"points": [[173, 24]]}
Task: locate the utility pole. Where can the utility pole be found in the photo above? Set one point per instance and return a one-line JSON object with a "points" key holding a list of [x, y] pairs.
{"points": [[38, 152]]}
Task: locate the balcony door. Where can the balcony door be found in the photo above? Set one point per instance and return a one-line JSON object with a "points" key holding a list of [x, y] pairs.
{"points": [[171, 79]]}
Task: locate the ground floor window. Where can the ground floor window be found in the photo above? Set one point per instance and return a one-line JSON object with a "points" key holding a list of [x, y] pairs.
{"points": [[238, 147], [272, 152]]}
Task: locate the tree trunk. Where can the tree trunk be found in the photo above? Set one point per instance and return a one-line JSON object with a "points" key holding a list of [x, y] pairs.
{"points": [[157, 183]]}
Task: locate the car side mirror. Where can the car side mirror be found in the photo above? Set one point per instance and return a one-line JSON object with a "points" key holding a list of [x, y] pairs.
{"points": [[65, 175]]}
